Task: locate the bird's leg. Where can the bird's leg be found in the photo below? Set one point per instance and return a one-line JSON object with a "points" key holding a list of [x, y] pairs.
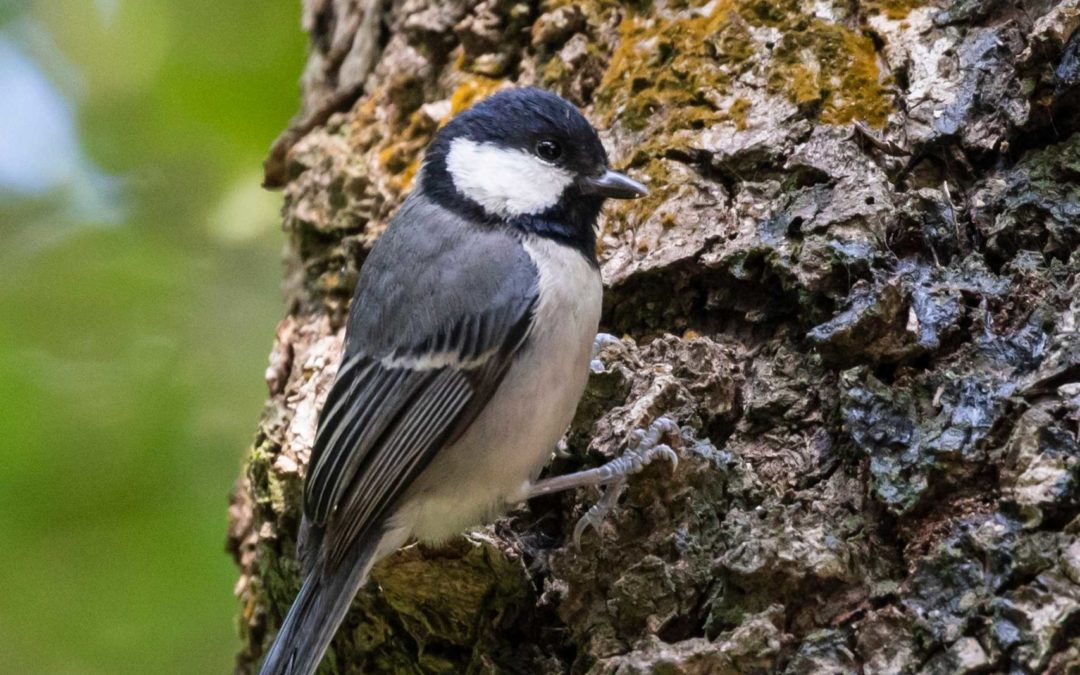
{"points": [[644, 447]]}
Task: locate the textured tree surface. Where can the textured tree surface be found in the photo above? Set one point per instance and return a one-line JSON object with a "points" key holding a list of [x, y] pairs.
{"points": [[854, 286]]}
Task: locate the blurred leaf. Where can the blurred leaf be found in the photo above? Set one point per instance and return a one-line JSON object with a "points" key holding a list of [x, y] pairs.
{"points": [[135, 333]]}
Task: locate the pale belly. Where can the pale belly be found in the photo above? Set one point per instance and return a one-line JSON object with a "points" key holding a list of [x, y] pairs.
{"points": [[494, 462]]}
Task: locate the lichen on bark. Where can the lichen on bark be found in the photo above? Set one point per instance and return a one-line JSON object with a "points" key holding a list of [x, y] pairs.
{"points": [[855, 286]]}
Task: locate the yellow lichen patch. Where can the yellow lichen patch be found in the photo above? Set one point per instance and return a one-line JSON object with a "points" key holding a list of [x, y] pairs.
{"points": [[804, 86], [893, 9], [668, 64], [551, 5], [831, 70], [670, 70], [400, 158], [862, 94], [409, 173], [395, 158], [362, 125], [554, 71], [739, 111], [628, 215], [471, 90], [771, 13]]}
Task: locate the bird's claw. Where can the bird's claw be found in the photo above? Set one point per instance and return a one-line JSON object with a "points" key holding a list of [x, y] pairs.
{"points": [[562, 449], [603, 340], [647, 445], [599, 342], [644, 447], [598, 512]]}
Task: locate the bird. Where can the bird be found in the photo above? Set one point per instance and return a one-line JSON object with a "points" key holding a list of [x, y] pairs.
{"points": [[467, 350]]}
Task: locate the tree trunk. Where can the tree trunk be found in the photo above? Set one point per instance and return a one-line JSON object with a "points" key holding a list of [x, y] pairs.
{"points": [[854, 286]]}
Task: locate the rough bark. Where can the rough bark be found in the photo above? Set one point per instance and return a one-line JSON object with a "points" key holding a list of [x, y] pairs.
{"points": [[854, 286]]}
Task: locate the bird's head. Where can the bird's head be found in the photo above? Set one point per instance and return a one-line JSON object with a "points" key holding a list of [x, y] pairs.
{"points": [[525, 157]]}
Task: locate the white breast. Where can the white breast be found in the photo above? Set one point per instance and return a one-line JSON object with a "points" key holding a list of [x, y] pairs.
{"points": [[511, 440], [568, 310]]}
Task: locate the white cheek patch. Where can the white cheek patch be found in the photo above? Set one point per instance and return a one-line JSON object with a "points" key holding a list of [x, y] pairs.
{"points": [[504, 182]]}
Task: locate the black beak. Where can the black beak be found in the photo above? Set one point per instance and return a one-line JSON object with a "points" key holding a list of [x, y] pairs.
{"points": [[614, 185]]}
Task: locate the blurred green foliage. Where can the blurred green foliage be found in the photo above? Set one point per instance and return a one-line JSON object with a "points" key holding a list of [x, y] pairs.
{"points": [[138, 295]]}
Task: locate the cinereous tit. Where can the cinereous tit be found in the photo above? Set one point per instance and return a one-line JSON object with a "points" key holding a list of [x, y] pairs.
{"points": [[466, 352]]}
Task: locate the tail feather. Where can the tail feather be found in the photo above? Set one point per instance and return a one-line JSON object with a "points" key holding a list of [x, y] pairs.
{"points": [[317, 612]]}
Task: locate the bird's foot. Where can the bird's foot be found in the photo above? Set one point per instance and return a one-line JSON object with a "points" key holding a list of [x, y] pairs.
{"points": [[645, 446], [603, 340], [598, 512], [599, 342]]}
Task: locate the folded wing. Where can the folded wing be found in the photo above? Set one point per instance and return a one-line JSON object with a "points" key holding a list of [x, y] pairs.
{"points": [[426, 349]]}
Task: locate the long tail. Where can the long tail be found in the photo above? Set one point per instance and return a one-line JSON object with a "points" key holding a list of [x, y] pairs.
{"points": [[317, 612]]}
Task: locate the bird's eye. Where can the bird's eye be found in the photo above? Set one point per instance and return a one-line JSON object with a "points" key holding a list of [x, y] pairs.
{"points": [[548, 150]]}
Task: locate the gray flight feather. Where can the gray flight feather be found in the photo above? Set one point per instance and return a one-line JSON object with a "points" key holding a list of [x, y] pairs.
{"points": [[315, 615]]}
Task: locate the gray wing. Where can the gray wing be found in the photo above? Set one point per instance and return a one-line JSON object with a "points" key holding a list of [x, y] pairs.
{"points": [[441, 309]]}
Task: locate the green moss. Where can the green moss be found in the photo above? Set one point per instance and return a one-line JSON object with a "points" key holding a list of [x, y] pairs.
{"points": [[266, 488]]}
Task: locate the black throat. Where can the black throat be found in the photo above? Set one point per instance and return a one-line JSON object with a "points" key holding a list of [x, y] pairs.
{"points": [[571, 222]]}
